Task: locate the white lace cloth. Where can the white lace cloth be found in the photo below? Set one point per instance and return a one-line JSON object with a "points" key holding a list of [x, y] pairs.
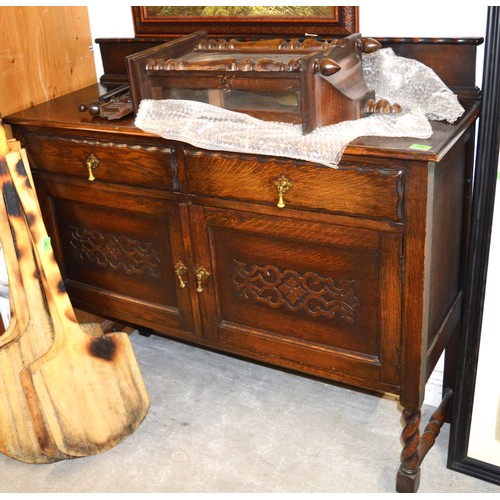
{"points": [[414, 86]]}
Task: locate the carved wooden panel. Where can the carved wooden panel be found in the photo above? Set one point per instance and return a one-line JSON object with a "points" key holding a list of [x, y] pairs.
{"points": [[316, 295], [123, 254], [279, 284], [116, 252]]}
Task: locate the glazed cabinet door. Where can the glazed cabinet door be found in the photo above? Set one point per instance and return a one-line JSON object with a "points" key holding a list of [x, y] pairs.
{"points": [[319, 298], [118, 251]]}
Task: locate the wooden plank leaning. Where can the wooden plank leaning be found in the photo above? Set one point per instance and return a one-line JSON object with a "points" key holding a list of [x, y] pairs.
{"points": [[28, 337], [17, 297], [90, 389]]}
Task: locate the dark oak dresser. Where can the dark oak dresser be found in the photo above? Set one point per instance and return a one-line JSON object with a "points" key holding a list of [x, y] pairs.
{"points": [[358, 279]]}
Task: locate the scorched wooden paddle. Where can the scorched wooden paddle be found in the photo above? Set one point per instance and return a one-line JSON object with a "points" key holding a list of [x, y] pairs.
{"points": [[28, 337], [89, 387]]}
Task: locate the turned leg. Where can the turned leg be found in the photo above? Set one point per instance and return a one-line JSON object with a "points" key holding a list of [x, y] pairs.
{"points": [[415, 447], [408, 477]]}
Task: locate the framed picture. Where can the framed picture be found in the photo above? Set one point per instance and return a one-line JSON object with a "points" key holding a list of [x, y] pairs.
{"points": [[247, 21], [475, 428]]}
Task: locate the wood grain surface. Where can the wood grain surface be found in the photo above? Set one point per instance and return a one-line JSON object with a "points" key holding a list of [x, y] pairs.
{"points": [[44, 53]]}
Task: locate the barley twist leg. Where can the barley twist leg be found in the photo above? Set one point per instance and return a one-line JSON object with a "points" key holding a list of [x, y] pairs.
{"points": [[408, 477]]}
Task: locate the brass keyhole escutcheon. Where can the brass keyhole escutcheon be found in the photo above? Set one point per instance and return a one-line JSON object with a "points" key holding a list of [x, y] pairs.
{"points": [[283, 184], [201, 276], [91, 163], [180, 270]]}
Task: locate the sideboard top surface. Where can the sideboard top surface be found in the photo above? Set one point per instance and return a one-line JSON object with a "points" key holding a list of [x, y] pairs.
{"points": [[63, 113]]}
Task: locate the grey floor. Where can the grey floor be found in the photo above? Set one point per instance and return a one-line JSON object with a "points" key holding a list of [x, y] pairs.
{"points": [[220, 424]]}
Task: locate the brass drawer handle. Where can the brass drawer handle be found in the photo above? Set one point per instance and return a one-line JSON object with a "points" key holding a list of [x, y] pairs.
{"points": [[180, 269], [283, 184], [201, 276], [91, 163]]}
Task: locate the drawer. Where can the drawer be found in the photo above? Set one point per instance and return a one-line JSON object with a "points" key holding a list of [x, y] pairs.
{"points": [[371, 192], [122, 163]]}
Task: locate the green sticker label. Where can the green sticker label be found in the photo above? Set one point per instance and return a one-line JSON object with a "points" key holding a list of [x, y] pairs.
{"points": [[421, 147], [46, 245]]}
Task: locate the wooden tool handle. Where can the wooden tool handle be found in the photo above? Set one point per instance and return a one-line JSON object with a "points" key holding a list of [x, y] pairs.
{"points": [[17, 297]]}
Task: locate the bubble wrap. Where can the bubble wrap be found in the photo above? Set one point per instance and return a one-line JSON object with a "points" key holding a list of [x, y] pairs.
{"points": [[210, 127], [411, 84]]}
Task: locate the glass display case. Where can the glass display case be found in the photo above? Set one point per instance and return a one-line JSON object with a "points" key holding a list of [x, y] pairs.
{"points": [[308, 81]]}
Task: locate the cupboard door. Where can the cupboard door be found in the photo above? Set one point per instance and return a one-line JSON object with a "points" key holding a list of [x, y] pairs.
{"points": [[318, 298], [117, 252]]}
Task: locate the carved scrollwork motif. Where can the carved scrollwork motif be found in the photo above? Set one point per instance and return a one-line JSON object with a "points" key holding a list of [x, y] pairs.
{"points": [[119, 253], [316, 295]]}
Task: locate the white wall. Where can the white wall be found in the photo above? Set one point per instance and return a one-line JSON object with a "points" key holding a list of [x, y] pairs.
{"points": [[109, 20]]}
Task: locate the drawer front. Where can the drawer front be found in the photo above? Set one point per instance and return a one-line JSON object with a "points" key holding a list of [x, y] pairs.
{"points": [[122, 163], [364, 191]]}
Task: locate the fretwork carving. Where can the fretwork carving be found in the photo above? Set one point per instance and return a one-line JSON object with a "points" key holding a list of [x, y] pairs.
{"points": [[316, 295], [119, 253]]}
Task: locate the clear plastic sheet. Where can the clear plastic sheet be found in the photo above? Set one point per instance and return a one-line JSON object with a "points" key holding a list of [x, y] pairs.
{"points": [[214, 128]]}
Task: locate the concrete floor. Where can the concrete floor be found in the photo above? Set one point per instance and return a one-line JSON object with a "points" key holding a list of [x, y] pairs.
{"points": [[219, 424]]}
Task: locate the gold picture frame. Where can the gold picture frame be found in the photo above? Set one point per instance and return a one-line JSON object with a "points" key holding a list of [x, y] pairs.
{"points": [[245, 21]]}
